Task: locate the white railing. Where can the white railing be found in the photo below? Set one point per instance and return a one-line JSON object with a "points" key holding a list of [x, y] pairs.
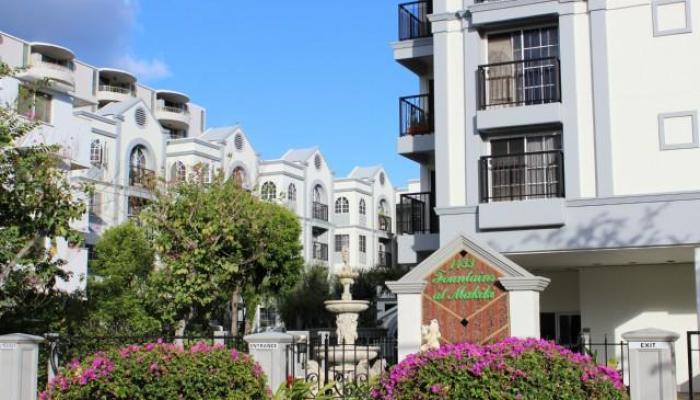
{"points": [[50, 65], [115, 89], [172, 109]]}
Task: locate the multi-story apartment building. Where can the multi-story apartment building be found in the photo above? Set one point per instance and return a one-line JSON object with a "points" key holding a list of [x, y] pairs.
{"points": [[118, 135], [562, 133]]}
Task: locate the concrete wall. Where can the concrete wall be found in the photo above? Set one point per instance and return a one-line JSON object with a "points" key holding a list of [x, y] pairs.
{"points": [[615, 300]]}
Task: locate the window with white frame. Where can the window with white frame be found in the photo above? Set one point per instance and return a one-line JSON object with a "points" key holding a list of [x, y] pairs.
{"points": [[341, 242], [363, 207], [97, 153], [34, 105], [363, 244], [292, 192], [342, 205], [268, 192], [179, 173]]}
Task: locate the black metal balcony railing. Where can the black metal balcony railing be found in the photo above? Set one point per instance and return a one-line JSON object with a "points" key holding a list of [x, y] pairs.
{"points": [[415, 213], [534, 175], [319, 211], [384, 223], [139, 176], [518, 83], [413, 20], [384, 259], [416, 115], [320, 251]]}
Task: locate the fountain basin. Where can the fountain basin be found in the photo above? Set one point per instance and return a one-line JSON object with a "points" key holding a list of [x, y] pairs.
{"points": [[346, 306], [348, 354]]}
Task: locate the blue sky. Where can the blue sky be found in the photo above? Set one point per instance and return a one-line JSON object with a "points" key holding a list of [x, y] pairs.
{"points": [[293, 74]]}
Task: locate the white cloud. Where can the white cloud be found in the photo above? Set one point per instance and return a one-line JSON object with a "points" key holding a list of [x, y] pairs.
{"points": [[98, 31], [147, 70]]}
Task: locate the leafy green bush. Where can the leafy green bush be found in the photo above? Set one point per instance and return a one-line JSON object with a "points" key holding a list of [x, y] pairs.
{"points": [[161, 371], [515, 369]]}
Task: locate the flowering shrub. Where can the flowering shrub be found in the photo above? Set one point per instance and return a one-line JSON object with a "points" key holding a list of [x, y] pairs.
{"points": [[160, 371], [513, 369]]}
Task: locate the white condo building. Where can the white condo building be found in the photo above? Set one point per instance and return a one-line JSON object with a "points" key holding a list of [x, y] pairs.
{"points": [[563, 134], [117, 134]]}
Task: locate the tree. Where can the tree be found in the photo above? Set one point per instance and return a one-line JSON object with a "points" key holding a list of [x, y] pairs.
{"points": [[214, 240], [36, 207], [302, 307], [118, 284]]}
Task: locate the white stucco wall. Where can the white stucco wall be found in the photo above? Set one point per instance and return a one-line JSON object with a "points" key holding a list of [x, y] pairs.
{"points": [[615, 300]]}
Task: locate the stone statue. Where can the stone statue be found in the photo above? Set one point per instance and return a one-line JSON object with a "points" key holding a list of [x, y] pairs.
{"points": [[347, 328], [430, 336]]}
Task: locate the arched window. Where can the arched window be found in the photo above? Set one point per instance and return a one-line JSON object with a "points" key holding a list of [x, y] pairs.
{"points": [[268, 191], [363, 207], [319, 195], [239, 176], [292, 192], [96, 153], [383, 207], [138, 173], [179, 172], [342, 206]]}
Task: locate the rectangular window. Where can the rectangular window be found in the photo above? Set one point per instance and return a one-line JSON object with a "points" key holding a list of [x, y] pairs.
{"points": [[341, 242], [363, 244], [526, 167], [94, 206], [34, 105]]}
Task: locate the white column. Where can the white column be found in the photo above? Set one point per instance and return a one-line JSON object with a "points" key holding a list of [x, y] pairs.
{"points": [[410, 315], [524, 304]]}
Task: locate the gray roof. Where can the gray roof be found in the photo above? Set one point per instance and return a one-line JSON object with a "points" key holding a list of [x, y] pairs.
{"points": [[365, 172], [217, 134], [299, 154], [118, 108]]}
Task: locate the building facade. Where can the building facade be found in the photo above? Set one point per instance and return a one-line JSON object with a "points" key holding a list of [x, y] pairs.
{"points": [[119, 135], [562, 134]]}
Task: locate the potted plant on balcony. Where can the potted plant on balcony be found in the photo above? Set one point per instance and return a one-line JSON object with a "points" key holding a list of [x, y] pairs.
{"points": [[418, 125]]}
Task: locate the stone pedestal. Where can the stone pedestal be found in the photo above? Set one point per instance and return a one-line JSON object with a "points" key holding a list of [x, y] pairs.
{"points": [[269, 349], [652, 364], [19, 362]]}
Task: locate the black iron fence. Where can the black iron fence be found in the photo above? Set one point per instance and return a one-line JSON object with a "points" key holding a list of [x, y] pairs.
{"points": [[338, 369], [533, 175], [415, 213], [693, 348], [319, 211], [522, 82], [413, 20], [416, 115]]}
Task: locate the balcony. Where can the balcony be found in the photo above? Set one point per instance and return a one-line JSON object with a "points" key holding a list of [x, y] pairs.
{"points": [[384, 259], [519, 83], [519, 93], [319, 211], [115, 85], [413, 20], [526, 176], [110, 93], [141, 177], [55, 63], [171, 109], [320, 251], [384, 223], [416, 214], [415, 115]]}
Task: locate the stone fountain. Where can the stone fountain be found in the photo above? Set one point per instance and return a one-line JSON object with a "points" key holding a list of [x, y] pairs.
{"points": [[345, 356]]}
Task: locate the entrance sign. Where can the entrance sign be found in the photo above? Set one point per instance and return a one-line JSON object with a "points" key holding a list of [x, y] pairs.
{"points": [[474, 293], [264, 346]]}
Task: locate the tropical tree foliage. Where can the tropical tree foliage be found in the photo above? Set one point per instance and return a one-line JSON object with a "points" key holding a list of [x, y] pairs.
{"points": [[37, 206], [216, 240]]}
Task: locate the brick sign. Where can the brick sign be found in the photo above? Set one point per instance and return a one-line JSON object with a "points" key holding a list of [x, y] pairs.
{"points": [[464, 295]]}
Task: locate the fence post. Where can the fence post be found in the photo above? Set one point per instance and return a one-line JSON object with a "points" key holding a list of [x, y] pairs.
{"points": [[269, 349], [652, 364], [19, 364]]}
